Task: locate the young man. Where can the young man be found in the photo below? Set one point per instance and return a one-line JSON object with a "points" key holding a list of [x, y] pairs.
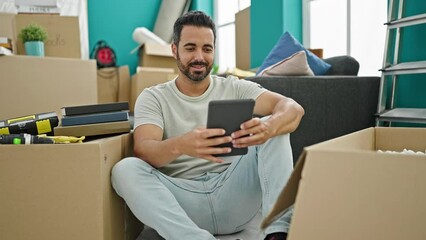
{"points": [[174, 183]]}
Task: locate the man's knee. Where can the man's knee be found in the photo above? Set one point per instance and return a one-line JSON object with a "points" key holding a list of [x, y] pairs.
{"points": [[282, 142], [125, 165], [125, 168]]}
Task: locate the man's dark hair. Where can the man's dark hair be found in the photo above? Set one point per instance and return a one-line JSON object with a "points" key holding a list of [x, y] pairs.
{"points": [[192, 18]]}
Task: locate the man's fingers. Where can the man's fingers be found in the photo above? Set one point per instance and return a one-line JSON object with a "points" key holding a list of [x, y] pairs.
{"points": [[218, 140], [250, 123], [213, 132]]}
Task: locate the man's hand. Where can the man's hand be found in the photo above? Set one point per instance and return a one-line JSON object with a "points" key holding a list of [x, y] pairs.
{"points": [[253, 132], [201, 143]]}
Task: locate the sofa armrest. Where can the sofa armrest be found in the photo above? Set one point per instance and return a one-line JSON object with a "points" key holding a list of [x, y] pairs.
{"points": [[334, 105]]}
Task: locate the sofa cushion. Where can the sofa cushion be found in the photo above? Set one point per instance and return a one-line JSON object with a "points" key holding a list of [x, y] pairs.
{"points": [[343, 65], [295, 65], [286, 46]]}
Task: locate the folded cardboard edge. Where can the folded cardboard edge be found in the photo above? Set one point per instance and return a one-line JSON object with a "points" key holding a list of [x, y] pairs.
{"points": [[157, 49], [288, 195]]}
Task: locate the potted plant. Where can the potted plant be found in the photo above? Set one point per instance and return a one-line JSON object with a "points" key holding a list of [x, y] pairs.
{"points": [[33, 37]]}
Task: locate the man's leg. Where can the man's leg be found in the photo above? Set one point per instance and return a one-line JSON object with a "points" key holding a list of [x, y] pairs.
{"points": [[152, 197], [252, 180], [275, 165]]}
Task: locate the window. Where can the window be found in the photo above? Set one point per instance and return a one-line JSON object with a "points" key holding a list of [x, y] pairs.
{"points": [[339, 27], [225, 26], [345, 27]]}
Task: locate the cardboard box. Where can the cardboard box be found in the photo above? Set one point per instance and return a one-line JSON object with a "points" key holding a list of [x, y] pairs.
{"points": [[63, 34], [319, 52], [242, 39], [63, 191], [157, 55], [344, 189], [36, 85], [7, 28], [148, 77], [113, 84]]}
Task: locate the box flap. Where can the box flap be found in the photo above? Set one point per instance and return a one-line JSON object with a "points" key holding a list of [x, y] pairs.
{"points": [[288, 194], [361, 140], [157, 49], [400, 138]]}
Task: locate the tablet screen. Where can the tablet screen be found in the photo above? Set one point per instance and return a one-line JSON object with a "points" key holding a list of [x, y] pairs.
{"points": [[229, 114]]}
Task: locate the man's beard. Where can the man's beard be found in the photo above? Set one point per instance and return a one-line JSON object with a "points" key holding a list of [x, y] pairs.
{"points": [[196, 76]]}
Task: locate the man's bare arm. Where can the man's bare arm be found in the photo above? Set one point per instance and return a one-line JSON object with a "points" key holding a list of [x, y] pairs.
{"points": [[286, 113], [285, 116]]}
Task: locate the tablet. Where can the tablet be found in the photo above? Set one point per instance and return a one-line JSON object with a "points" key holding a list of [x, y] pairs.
{"points": [[229, 114]]}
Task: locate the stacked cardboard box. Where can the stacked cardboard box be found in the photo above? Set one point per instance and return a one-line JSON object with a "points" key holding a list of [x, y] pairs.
{"points": [[60, 191], [113, 84], [242, 39], [37, 85], [157, 55], [147, 77], [157, 65], [63, 32]]}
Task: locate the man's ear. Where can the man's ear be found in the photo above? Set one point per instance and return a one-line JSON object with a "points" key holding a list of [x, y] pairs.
{"points": [[174, 50]]}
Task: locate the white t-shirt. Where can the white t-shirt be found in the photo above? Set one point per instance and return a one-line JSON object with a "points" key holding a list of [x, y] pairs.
{"points": [[165, 106]]}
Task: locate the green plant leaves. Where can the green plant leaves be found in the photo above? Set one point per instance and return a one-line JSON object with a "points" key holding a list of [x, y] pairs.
{"points": [[33, 32]]}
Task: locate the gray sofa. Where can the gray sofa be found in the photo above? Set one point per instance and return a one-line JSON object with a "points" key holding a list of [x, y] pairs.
{"points": [[335, 104]]}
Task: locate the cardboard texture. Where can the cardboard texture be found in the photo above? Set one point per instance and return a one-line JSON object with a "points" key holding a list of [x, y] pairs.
{"points": [[148, 77], [63, 191], [113, 84], [242, 39], [344, 189], [63, 34], [36, 85], [319, 52], [157, 55], [7, 28]]}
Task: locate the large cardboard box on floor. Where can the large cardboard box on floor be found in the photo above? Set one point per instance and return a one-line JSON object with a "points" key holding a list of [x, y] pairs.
{"points": [[63, 191], [345, 189], [157, 55], [148, 77], [36, 85]]}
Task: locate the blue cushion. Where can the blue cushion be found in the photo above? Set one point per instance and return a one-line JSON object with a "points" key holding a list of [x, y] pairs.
{"points": [[287, 46]]}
